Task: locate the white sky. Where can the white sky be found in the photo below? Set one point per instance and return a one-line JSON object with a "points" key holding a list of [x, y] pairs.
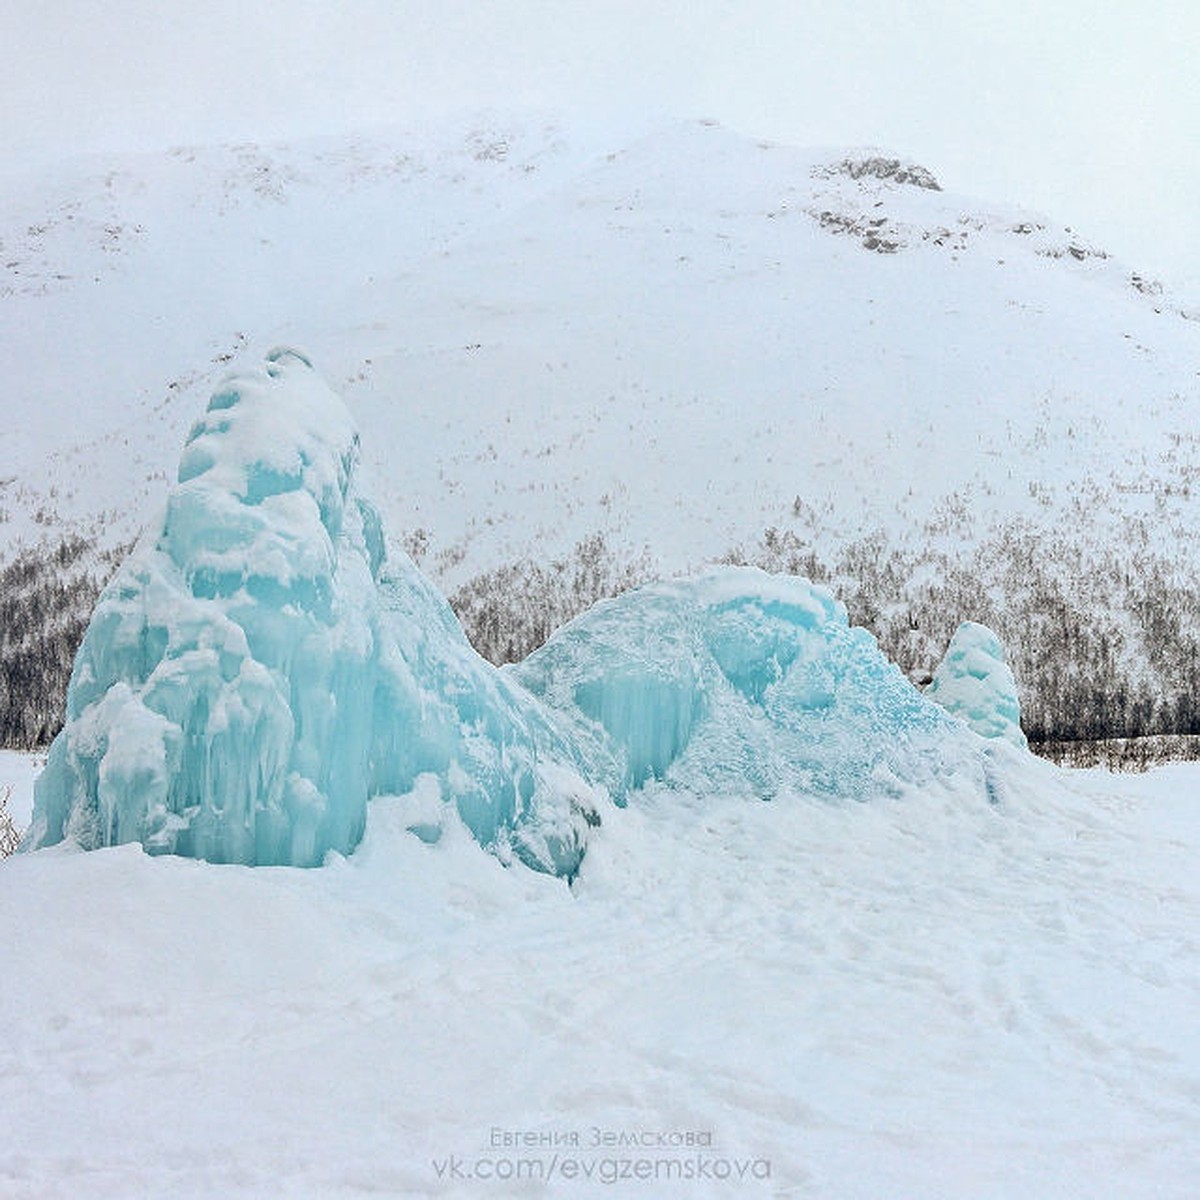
{"points": [[1086, 109]]}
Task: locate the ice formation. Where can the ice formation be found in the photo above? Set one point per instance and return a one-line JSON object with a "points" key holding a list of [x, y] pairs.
{"points": [[738, 681], [261, 666], [975, 684]]}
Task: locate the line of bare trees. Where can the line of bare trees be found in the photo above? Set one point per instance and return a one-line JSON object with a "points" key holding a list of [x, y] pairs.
{"points": [[1104, 643]]}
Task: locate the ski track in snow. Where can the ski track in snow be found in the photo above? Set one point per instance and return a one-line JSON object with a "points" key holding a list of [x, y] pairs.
{"points": [[919, 997]]}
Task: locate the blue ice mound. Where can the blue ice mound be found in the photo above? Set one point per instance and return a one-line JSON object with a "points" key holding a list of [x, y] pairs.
{"points": [[259, 667], [262, 665], [975, 683], [739, 681]]}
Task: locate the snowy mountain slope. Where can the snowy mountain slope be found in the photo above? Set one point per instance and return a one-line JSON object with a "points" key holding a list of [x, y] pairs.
{"points": [[691, 346], [928, 996], [691, 263], [677, 343], [131, 284]]}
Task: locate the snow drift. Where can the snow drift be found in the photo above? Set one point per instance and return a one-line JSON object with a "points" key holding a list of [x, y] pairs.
{"points": [[261, 666]]}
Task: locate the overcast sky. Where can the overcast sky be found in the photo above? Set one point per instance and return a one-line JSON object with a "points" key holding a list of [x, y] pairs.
{"points": [[1089, 110]]}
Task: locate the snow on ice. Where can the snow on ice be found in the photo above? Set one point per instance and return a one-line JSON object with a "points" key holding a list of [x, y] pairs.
{"points": [[261, 666]]}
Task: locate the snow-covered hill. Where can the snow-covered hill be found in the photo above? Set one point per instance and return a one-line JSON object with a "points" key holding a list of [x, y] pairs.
{"points": [[579, 360]]}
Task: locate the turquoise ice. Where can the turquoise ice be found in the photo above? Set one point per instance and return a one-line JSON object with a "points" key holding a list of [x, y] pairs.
{"points": [[975, 683], [739, 681], [263, 664], [259, 667]]}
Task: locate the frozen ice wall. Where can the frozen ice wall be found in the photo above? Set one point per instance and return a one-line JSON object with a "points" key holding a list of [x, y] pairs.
{"points": [[975, 684], [258, 668], [739, 681]]}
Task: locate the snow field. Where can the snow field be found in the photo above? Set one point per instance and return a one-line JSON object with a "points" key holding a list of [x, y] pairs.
{"points": [[924, 996]]}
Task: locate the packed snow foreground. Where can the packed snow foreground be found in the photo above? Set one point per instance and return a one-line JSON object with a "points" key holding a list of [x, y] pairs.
{"points": [[262, 666]]}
